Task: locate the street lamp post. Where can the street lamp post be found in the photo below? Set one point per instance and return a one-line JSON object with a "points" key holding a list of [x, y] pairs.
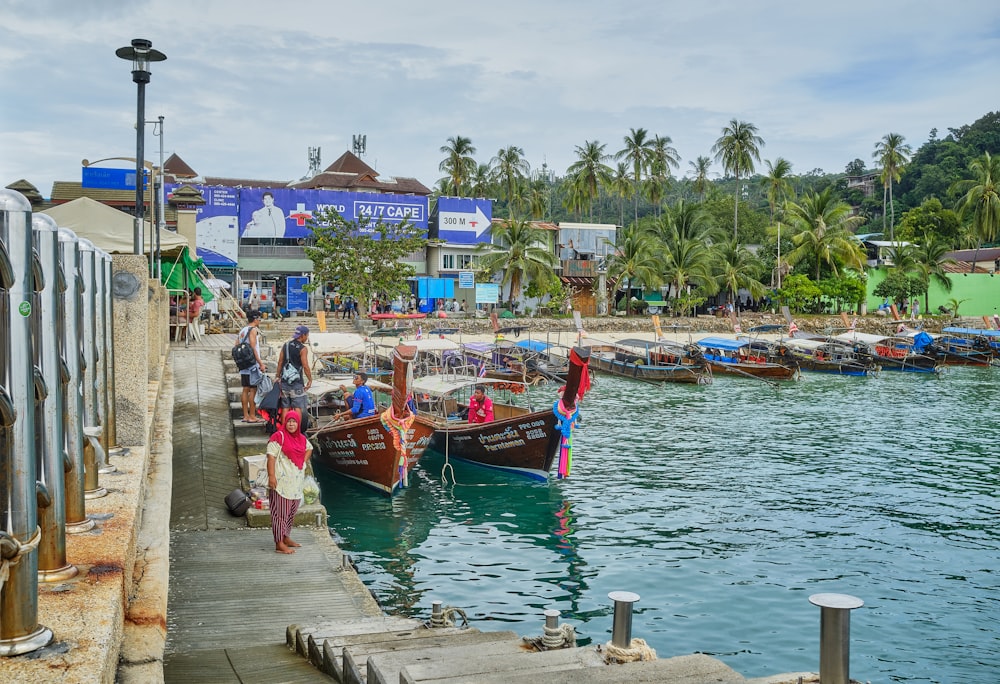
{"points": [[140, 53]]}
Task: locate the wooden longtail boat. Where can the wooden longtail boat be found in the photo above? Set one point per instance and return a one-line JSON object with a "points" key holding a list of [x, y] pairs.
{"points": [[824, 356], [652, 361], [966, 346], [519, 440], [741, 358], [890, 353], [378, 451]]}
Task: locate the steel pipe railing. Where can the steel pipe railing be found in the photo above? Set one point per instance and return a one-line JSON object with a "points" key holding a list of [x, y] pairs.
{"points": [[19, 628], [93, 450], [52, 564], [77, 519]]}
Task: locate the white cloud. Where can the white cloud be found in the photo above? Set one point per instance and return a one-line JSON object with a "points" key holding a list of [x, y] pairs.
{"points": [[249, 86]]}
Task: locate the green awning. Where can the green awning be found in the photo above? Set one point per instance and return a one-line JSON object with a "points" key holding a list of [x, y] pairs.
{"points": [[655, 302]]}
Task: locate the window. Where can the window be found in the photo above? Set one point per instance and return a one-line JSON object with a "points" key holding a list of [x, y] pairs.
{"points": [[448, 262], [465, 261]]}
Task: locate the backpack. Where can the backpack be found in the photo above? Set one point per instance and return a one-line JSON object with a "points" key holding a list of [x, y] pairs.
{"points": [[289, 374], [243, 353]]}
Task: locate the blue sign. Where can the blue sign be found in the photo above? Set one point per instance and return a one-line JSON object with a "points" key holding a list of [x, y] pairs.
{"points": [[111, 179], [217, 226], [464, 221], [466, 280], [487, 293], [297, 299], [286, 212]]}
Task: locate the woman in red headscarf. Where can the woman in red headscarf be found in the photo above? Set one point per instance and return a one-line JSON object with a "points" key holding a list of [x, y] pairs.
{"points": [[288, 451]]}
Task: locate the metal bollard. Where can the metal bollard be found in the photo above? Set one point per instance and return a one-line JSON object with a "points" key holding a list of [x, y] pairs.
{"points": [[77, 519], [621, 630], [93, 452], [437, 614], [101, 298], [109, 347], [19, 628], [52, 564], [835, 636]]}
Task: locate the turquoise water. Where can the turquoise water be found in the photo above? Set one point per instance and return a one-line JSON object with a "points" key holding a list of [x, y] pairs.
{"points": [[724, 508]]}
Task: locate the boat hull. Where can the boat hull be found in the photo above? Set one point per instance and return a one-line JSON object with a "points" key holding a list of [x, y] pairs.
{"points": [[363, 450], [768, 371], [692, 374], [525, 445]]}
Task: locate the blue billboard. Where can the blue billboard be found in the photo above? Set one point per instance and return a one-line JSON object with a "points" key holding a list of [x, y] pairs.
{"points": [[463, 220], [297, 298], [217, 227], [285, 212], [111, 179]]}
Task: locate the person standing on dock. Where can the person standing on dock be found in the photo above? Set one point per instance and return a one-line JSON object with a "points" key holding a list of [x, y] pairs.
{"points": [[293, 372], [288, 452], [250, 335]]}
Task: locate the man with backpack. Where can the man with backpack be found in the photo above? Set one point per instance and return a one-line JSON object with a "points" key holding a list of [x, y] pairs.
{"points": [[250, 335], [294, 374]]}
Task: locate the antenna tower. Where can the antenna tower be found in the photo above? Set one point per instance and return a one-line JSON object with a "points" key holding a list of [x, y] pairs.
{"points": [[359, 144]]}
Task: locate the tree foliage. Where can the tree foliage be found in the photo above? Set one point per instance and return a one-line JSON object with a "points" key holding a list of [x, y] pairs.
{"points": [[361, 258]]}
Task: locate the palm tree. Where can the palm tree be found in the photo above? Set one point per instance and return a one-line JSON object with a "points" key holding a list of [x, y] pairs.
{"points": [[892, 154], [736, 268], [737, 148], [589, 172], [637, 152], [981, 200], [779, 188], [538, 198], [509, 169], [929, 259], [480, 182], [700, 167], [662, 157], [634, 260], [822, 233], [459, 163], [688, 261], [620, 185], [519, 251]]}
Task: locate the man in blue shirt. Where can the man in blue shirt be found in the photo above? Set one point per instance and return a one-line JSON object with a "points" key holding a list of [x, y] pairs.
{"points": [[362, 403]]}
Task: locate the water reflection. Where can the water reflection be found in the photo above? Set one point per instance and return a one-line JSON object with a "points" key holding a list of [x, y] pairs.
{"points": [[724, 508]]}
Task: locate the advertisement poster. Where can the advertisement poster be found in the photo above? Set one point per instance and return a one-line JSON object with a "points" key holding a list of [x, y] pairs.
{"points": [[286, 212], [297, 297], [217, 236]]}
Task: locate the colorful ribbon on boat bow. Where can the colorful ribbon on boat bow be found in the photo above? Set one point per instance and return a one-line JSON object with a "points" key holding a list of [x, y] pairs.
{"points": [[565, 422], [398, 427]]}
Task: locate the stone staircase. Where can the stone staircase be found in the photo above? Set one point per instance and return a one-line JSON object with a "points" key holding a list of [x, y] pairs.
{"points": [[387, 650]]}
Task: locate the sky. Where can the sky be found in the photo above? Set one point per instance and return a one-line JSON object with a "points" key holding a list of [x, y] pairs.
{"points": [[249, 86]]}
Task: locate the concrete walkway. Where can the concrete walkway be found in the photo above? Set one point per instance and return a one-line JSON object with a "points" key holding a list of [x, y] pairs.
{"points": [[231, 597]]}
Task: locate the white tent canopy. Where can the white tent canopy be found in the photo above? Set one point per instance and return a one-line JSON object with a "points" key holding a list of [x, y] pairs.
{"points": [[108, 228]]}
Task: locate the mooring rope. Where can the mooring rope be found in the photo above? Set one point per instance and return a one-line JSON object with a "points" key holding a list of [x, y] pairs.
{"points": [[446, 618], [12, 550], [638, 650], [562, 636]]}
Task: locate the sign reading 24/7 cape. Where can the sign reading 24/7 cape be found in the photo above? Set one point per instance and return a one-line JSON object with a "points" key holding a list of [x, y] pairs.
{"points": [[285, 212], [231, 213]]}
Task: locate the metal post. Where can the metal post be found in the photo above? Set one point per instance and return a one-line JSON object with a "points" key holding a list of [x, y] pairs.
{"points": [[621, 630], [552, 618], [52, 564], [109, 351], [101, 298], [162, 223], [93, 451], [72, 353], [19, 628], [835, 636]]}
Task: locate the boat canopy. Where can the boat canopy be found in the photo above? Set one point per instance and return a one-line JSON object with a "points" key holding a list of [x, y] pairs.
{"points": [[867, 338], [479, 347], [424, 345], [644, 344], [722, 343], [534, 345], [336, 342], [441, 385], [810, 345], [980, 332]]}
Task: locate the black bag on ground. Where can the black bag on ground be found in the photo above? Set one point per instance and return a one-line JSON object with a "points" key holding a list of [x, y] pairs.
{"points": [[238, 502]]}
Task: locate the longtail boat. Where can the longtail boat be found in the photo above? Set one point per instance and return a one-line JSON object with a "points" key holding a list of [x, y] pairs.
{"points": [[890, 353], [742, 357], [957, 346], [834, 357], [652, 361], [520, 439], [378, 451]]}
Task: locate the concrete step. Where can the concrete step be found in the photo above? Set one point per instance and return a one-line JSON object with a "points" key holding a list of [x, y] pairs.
{"points": [[328, 653], [387, 666], [296, 636], [689, 669]]}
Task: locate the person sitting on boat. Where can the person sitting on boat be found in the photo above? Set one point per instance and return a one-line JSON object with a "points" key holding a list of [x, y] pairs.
{"points": [[480, 406], [361, 404]]}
